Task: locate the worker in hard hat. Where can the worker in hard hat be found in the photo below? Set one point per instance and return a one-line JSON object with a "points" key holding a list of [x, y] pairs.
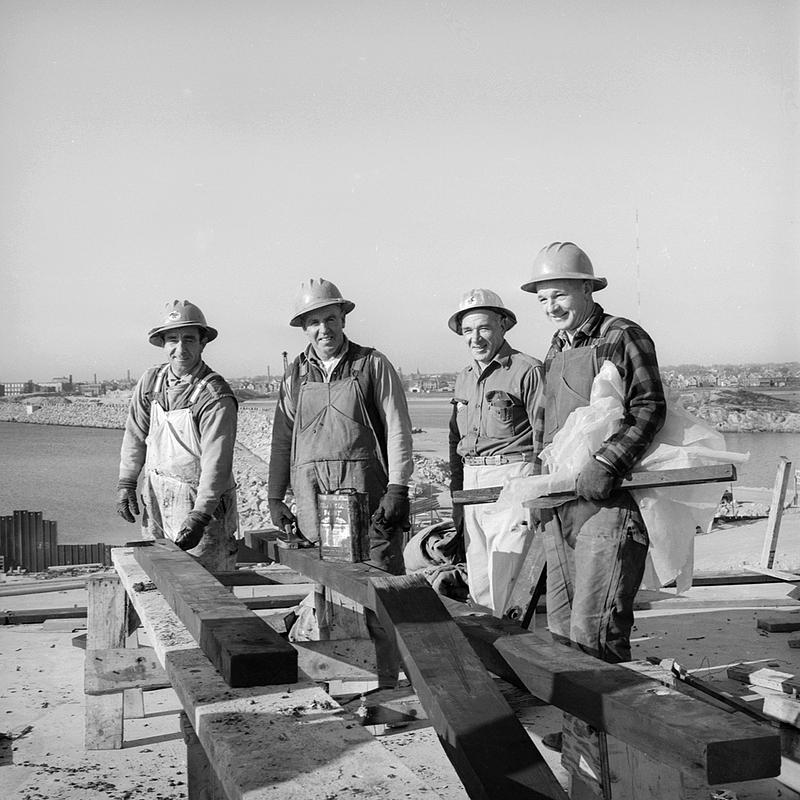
{"points": [[491, 440], [180, 431], [342, 422], [596, 545]]}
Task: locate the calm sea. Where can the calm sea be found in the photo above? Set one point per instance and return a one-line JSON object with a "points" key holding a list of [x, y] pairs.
{"points": [[70, 474]]}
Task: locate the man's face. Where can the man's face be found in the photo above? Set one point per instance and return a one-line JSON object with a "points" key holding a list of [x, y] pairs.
{"points": [[484, 333], [184, 348], [325, 330], [567, 303]]}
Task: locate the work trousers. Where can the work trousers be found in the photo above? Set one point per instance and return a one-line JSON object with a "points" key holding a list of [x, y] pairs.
{"points": [[496, 540], [596, 555]]}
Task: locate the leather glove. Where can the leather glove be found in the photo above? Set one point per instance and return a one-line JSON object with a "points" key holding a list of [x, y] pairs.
{"points": [[192, 530], [282, 517], [596, 481], [127, 504], [394, 509]]}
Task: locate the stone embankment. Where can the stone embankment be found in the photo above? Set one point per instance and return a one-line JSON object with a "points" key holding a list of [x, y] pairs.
{"points": [[743, 411], [251, 456]]}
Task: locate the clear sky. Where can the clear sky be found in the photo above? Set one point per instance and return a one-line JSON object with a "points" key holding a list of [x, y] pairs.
{"points": [[222, 152]]}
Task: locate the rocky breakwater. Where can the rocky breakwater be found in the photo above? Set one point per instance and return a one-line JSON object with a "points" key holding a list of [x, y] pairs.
{"points": [[251, 455], [742, 411]]}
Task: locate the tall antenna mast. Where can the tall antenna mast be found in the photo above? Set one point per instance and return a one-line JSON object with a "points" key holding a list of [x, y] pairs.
{"points": [[638, 274]]}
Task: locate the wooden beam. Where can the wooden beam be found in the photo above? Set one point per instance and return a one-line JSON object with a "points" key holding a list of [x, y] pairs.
{"points": [[245, 650], [657, 479], [119, 668], [485, 742], [780, 622], [775, 512], [661, 722], [765, 676], [266, 742]]}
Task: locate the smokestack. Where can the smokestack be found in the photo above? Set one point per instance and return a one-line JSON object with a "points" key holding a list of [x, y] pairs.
{"points": [[95, 378]]}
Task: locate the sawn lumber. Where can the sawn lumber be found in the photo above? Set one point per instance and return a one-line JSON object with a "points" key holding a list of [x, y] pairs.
{"points": [[671, 727], [480, 734], [725, 746], [245, 650], [656, 479]]}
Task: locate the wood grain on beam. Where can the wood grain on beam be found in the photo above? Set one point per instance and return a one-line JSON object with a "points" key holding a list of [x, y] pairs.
{"points": [[245, 650], [485, 742]]}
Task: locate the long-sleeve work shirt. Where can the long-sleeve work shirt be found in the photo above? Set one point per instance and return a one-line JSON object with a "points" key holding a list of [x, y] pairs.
{"points": [[214, 413], [385, 402], [633, 353], [494, 409]]}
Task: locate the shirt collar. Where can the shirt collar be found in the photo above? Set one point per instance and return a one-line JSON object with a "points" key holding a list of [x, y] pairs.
{"points": [[502, 358], [189, 377], [584, 332], [312, 356]]}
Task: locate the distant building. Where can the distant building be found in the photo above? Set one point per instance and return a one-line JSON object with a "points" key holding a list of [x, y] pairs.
{"points": [[16, 388]]}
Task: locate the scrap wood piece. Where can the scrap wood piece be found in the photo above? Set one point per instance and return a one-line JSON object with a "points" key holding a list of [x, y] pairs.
{"points": [[775, 512], [777, 574], [780, 622], [766, 676], [245, 650], [656, 479], [485, 742], [120, 668], [672, 727]]}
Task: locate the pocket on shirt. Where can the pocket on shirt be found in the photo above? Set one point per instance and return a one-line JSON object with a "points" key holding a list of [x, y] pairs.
{"points": [[505, 412]]}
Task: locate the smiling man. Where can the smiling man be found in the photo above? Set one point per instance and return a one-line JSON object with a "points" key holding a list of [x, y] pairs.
{"points": [[181, 430], [341, 422], [596, 545], [491, 439]]}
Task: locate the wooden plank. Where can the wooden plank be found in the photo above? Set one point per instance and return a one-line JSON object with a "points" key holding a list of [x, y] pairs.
{"points": [[35, 616], [106, 628], [778, 575], [245, 650], [775, 512], [25, 561], [115, 669], [780, 622], [766, 676], [530, 583], [304, 747], [661, 722], [5, 541], [459, 697], [718, 473], [41, 547]]}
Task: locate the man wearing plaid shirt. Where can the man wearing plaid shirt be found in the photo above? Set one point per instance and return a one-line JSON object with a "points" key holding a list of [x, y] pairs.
{"points": [[596, 545]]}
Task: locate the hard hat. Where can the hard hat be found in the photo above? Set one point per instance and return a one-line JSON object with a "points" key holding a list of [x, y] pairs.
{"points": [[475, 299], [317, 293], [563, 261], [180, 314]]}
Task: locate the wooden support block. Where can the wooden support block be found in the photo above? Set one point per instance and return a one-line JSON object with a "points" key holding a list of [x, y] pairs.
{"points": [[487, 745], [669, 726], [766, 676], [245, 650], [201, 780], [133, 699], [778, 623], [336, 659], [116, 669]]}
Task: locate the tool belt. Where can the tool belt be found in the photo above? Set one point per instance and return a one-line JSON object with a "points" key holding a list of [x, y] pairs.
{"points": [[494, 461]]}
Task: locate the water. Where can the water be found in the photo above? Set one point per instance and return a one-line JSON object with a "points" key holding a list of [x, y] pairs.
{"points": [[70, 474]]}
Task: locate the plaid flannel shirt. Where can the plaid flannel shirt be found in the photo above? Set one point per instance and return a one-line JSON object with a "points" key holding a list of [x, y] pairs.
{"points": [[633, 353]]}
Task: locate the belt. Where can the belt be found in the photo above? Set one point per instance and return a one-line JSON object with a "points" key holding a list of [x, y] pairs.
{"points": [[494, 461]]}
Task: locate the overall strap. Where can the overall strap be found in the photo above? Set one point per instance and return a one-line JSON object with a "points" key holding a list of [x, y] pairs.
{"points": [[201, 384]]}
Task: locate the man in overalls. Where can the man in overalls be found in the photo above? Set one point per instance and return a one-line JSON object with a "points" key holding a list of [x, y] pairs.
{"points": [[491, 440], [596, 545], [181, 430], [342, 423]]}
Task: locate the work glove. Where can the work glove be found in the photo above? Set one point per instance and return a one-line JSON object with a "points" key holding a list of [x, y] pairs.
{"points": [[282, 517], [596, 481], [192, 530], [394, 509], [127, 505]]}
